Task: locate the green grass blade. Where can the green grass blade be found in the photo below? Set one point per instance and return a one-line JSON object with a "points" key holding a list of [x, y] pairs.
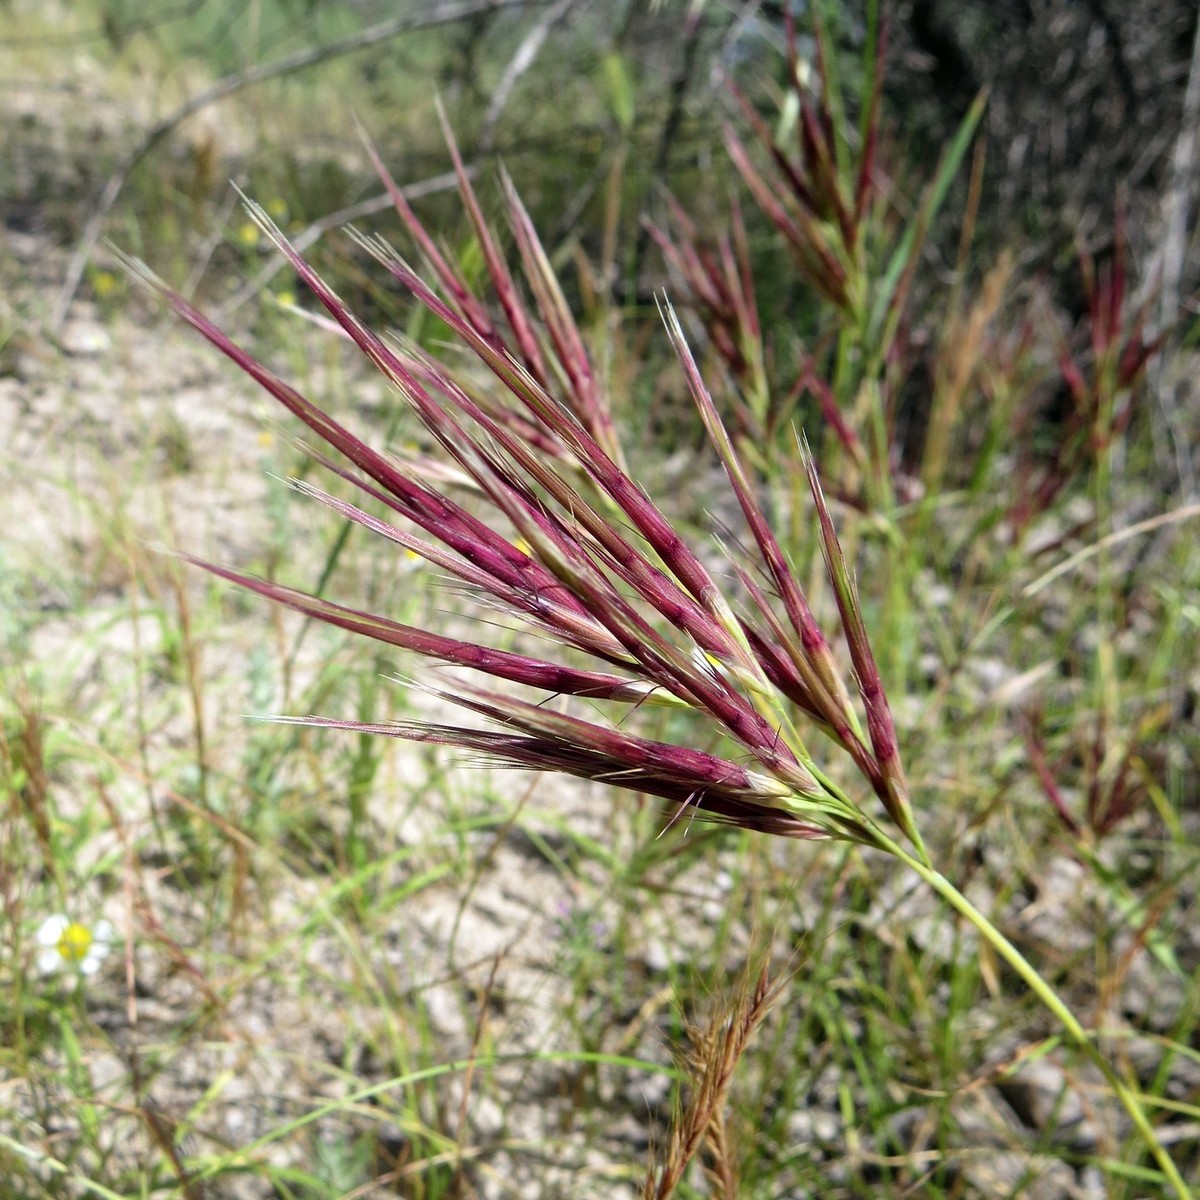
{"points": [[890, 292]]}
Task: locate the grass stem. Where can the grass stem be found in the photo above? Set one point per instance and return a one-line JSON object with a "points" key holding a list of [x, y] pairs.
{"points": [[1056, 1006]]}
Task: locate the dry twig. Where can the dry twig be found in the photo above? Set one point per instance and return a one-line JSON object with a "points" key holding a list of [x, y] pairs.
{"points": [[441, 14]]}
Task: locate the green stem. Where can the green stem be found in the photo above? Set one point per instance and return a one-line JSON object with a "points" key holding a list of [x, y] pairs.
{"points": [[1053, 1002]]}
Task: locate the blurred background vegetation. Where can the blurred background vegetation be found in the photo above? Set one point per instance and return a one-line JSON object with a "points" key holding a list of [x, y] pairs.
{"points": [[593, 107]]}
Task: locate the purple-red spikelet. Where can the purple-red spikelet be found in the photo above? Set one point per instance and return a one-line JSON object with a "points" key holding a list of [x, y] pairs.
{"points": [[880, 725], [720, 791], [575, 549]]}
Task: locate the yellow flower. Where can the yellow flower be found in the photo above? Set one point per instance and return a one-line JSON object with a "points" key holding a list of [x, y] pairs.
{"points": [[248, 233], [104, 283], [68, 945]]}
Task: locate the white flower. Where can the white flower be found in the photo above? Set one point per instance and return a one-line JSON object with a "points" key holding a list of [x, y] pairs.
{"points": [[68, 945]]}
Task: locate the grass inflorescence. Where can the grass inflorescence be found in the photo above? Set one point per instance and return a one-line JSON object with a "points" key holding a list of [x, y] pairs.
{"points": [[843, 840]]}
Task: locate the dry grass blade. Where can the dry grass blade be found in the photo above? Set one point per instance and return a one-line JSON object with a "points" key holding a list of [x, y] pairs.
{"points": [[717, 1047]]}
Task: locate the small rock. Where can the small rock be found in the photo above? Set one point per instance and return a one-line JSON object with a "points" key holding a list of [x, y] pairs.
{"points": [[1045, 1099], [86, 339], [1003, 1172]]}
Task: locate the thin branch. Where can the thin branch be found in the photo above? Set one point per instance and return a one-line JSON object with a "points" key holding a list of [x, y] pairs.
{"points": [[441, 14], [527, 52]]}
